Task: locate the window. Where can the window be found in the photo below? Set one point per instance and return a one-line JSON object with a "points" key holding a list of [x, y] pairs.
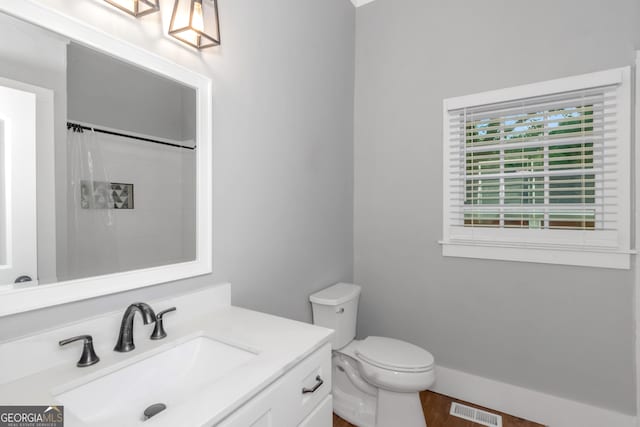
{"points": [[540, 172]]}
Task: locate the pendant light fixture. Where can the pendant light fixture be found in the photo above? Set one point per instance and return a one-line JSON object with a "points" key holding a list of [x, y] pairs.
{"points": [[196, 23], [136, 8]]}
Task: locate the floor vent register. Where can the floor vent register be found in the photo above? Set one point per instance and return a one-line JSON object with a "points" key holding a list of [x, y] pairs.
{"points": [[476, 415]]}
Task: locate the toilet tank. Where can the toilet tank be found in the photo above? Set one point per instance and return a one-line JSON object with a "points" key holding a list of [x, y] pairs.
{"points": [[336, 307]]}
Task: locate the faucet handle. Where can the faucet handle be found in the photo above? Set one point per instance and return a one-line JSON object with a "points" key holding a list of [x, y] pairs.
{"points": [[158, 331], [89, 356]]}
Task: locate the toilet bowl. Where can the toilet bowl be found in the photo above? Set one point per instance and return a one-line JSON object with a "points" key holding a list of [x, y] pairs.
{"points": [[377, 380]]}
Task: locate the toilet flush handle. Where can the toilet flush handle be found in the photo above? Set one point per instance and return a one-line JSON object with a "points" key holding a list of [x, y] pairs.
{"points": [[340, 310]]}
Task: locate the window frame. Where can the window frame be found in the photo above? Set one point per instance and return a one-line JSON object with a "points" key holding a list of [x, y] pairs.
{"points": [[595, 248]]}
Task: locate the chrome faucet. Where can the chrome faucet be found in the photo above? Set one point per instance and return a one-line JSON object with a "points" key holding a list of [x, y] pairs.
{"points": [[125, 339]]}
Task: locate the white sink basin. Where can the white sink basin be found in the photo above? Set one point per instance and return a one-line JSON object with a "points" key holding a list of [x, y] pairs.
{"points": [[120, 397]]}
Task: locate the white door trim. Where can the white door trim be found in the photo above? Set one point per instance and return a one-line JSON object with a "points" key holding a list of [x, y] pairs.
{"points": [[18, 136], [636, 195]]}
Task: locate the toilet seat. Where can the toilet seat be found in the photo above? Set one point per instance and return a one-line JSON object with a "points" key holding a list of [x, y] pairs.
{"points": [[394, 355]]}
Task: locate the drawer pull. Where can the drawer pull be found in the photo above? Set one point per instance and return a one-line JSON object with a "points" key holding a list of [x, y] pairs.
{"points": [[319, 382]]}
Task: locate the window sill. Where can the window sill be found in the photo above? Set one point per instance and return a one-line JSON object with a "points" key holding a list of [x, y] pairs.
{"points": [[552, 254]]}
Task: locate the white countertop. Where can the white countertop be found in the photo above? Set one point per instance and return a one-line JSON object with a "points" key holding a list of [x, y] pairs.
{"points": [[280, 344]]}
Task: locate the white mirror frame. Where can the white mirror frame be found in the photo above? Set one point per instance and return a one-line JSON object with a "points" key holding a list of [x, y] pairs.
{"points": [[17, 300]]}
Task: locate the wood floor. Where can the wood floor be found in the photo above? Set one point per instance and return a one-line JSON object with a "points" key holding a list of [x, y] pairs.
{"points": [[436, 412]]}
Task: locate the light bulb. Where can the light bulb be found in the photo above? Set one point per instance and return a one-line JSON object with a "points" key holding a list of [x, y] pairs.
{"points": [[197, 19]]}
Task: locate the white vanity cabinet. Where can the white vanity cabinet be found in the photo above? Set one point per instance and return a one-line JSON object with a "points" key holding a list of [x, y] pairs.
{"points": [[283, 403], [235, 368]]}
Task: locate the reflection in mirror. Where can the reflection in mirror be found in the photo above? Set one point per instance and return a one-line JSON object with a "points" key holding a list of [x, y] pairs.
{"points": [[115, 158]]}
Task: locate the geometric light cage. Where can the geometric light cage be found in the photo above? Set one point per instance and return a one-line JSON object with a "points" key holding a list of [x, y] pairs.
{"points": [[136, 8], [196, 23]]}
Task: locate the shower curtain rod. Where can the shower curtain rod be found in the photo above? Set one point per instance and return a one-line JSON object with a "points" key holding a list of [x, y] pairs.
{"points": [[72, 125]]}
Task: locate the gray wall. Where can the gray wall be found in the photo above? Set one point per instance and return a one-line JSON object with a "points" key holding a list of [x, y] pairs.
{"points": [[115, 94], [562, 330], [107, 92], [282, 151]]}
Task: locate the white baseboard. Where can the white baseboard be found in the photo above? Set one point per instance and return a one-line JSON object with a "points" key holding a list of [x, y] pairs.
{"points": [[532, 405]]}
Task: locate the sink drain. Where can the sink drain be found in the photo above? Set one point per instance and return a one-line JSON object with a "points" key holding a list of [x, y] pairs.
{"points": [[153, 410]]}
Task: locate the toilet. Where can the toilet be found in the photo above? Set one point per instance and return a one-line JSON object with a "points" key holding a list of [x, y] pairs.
{"points": [[377, 380]]}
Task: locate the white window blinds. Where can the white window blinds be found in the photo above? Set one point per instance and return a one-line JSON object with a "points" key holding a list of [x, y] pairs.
{"points": [[544, 166]]}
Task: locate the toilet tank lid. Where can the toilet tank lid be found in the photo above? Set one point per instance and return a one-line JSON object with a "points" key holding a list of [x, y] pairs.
{"points": [[336, 294]]}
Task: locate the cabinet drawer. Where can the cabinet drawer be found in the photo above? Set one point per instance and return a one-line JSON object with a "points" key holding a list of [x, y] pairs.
{"points": [[309, 383], [283, 403]]}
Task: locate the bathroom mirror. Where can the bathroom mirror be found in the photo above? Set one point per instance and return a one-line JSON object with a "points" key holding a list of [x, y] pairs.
{"points": [[105, 174]]}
